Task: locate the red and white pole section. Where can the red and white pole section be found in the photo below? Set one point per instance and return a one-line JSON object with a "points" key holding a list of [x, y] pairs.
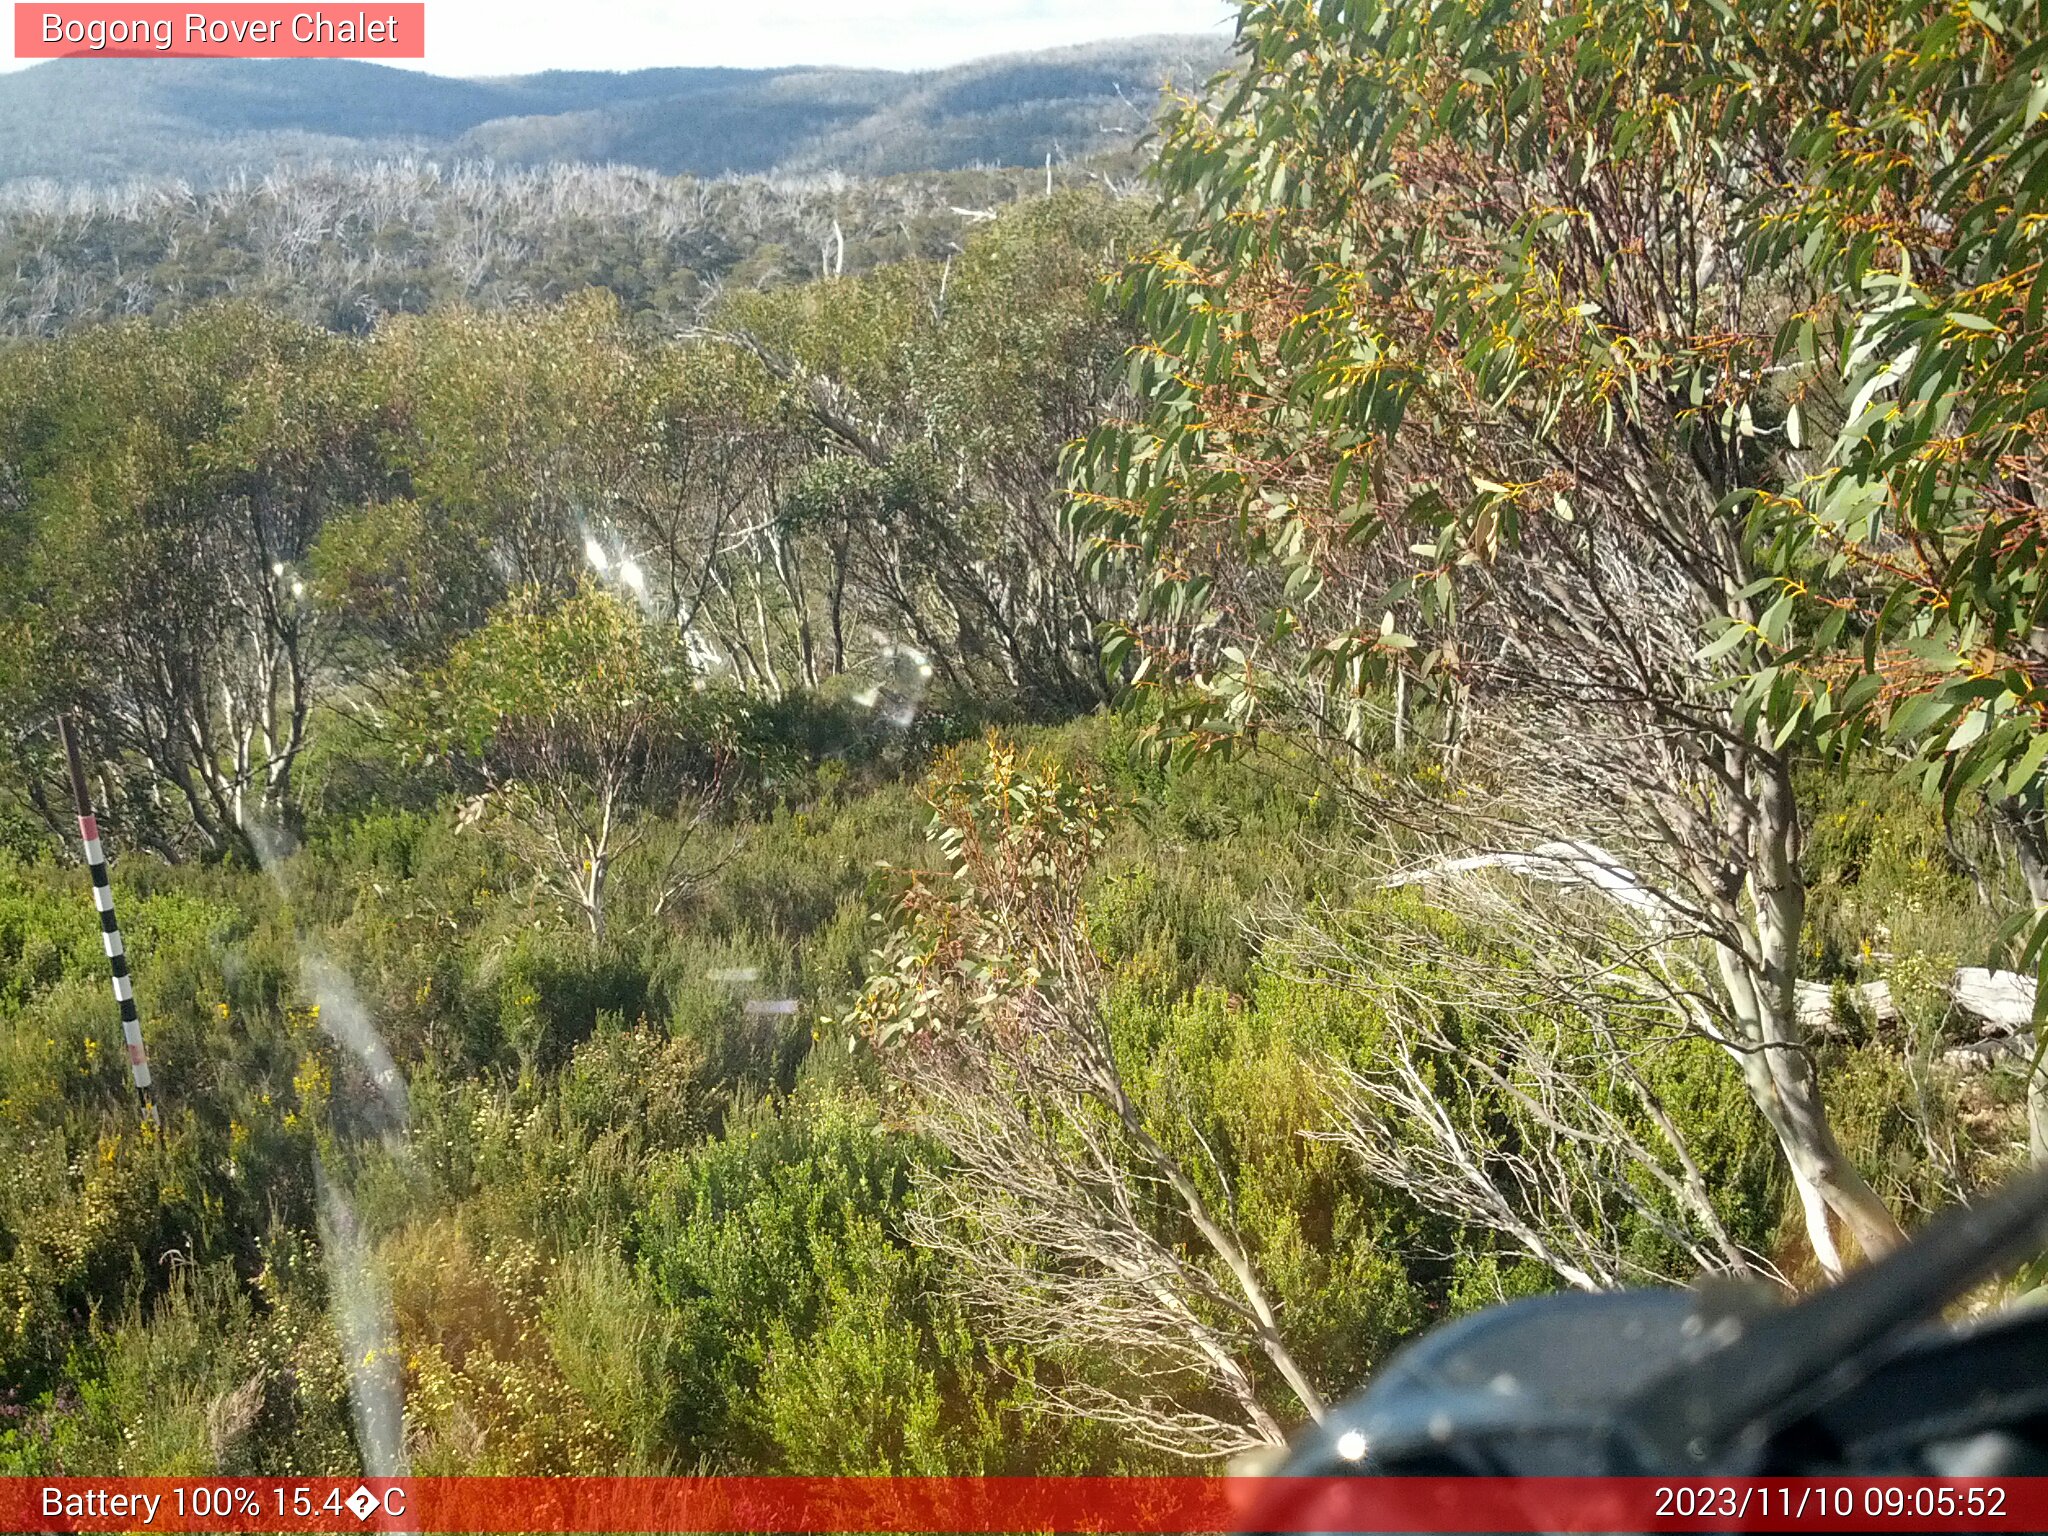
{"points": [[110, 931]]}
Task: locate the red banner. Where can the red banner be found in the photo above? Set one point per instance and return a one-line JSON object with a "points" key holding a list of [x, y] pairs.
{"points": [[227, 31], [1153, 1506]]}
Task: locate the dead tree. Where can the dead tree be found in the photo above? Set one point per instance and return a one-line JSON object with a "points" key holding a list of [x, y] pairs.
{"points": [[1070, 1224]]}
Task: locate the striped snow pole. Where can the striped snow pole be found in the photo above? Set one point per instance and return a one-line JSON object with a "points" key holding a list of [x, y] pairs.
{"points": [[110, 931]]}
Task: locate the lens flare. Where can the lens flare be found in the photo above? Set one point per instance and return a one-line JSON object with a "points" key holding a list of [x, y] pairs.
{"points": [[369, 1336]]}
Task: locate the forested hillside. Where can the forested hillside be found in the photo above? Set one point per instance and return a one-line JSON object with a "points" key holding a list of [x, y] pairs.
{"points": [[1025, 850], [198, 120], [343, 246]]}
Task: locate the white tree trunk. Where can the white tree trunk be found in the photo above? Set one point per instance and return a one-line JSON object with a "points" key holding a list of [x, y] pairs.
{"points": [[1761, 979]]}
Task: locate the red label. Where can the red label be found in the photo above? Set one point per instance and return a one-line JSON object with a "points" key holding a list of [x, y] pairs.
{"points": [[236, 31], [1158, 1506]]}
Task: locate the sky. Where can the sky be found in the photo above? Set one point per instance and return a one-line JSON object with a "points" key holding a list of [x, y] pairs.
{"points": [[510, 37]]}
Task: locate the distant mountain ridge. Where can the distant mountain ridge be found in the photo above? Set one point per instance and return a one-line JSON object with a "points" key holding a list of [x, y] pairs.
{"points": [[104, 120]]}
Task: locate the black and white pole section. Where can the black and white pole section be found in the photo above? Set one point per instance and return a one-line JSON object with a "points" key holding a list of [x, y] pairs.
{"points": [[110, 931]]}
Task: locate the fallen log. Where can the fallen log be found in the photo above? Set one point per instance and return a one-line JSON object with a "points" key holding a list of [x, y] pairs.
{"points": [[1991, 1051], [1998, 1002], [1986, 1004], [1872, 999]]}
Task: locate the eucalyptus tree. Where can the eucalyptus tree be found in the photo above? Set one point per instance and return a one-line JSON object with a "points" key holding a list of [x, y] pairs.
{"points": [[1909, 546], [520, 428], [169, 485], [934, 398], [590, 743], [1071, 1216], [1460, 372]]}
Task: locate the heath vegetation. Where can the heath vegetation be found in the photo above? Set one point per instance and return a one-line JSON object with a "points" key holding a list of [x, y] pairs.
{"points": [[1023, 844]]}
